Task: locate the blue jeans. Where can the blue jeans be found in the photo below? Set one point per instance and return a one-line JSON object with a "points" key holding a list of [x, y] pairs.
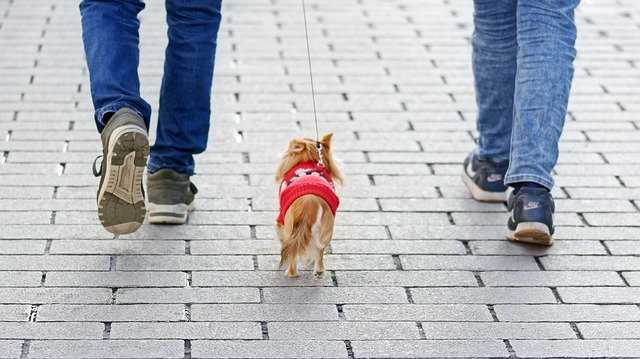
{"points": [[523, 52], [110, 35]]}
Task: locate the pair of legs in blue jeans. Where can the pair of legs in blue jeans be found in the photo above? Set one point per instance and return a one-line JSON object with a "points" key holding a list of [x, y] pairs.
{"points": [[523, 52], [110, 35]]}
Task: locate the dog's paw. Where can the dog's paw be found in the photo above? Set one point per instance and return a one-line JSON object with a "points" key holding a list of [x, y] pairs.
{"points": [[318, 275]]}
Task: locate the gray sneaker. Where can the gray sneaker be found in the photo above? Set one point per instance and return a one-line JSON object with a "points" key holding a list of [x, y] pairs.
{"points": [[171, 196], [125, 148]]}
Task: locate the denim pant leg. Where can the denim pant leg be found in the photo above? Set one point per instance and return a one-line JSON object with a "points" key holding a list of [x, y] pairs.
{"points": [[110, 36], [185, 96], [546, 39], [494, 71]]}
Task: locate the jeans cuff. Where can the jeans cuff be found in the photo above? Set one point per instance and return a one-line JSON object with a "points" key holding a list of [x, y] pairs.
{"points": [[543, 181], [154, 166], [114, 107]]}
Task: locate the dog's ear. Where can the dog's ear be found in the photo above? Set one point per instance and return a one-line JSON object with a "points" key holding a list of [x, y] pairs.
{"points": [[326, 139], [296, 146]]}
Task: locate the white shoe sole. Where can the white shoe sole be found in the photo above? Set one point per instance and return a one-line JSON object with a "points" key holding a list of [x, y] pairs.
{"points": [[481, 195], [169, 213], [531, 232]]}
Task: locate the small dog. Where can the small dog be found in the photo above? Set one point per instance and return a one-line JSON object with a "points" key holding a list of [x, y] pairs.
{"points": [[308, 202]]}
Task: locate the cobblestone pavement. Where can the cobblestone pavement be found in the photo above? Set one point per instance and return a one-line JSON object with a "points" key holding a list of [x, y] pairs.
{"points": [[418, 269]]}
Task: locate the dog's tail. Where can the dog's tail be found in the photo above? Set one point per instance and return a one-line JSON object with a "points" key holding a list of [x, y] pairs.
{"points": [[298, 227]]}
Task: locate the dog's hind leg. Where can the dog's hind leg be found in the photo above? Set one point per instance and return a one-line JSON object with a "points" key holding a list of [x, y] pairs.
{"points": [[318, 265]]}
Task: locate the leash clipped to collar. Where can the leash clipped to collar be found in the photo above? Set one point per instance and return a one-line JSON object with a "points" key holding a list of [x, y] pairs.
{"points": [[313, 91]]}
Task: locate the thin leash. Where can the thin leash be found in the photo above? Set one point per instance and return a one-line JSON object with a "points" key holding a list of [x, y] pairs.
{"points": [[313, 91]]}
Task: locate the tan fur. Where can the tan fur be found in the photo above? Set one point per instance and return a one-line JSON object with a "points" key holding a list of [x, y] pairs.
{"points": [[296, 234]]}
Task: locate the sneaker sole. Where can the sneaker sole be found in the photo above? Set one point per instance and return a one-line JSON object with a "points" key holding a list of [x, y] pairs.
{"points": [[481, 195], [531, 232], [121, 206], [169, 213]]}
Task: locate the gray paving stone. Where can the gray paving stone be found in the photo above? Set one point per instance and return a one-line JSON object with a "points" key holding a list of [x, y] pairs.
{"points": [[110, 313], [633, 278], [50, 262], [109, 348], [567, 313], [256, 279], [488, 295], [621, 295], [342, 330], [10, 348], [576, 348], [429, 348], [14, 313], [405, 278], [551, 278], [468, 262], [339, 262], [116, 246], [397, 247], [188, 295], [560, 247], [30, 330], [183, 262], [250, 246], [590, 263], [417, 312], [186, 330], [623, 247], [263, 312], [55, 295], [468, 330], [53, 232], [268, 349], [626, 330], [115, 279], [335, 295], [20, 279], [154, 232]]}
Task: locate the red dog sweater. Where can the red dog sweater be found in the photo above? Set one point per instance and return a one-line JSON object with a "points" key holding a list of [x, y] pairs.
{"points": [[307, 178]]}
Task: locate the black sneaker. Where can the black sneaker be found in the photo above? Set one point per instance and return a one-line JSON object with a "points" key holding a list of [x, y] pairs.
{"points": [[485, 179], [531, 217], [171, 196], [125, 148]]}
